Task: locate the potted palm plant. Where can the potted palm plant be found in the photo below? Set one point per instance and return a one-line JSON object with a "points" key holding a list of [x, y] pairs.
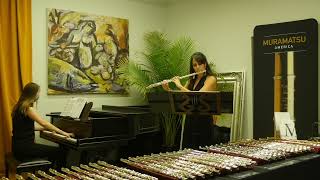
{"points": [[162, 59]]}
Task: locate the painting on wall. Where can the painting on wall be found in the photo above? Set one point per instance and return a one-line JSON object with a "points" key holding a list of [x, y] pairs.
{"points": [[85, 51]]}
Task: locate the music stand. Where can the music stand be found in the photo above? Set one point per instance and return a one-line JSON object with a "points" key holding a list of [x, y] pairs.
{"points": [[196, 103], [191, 102]]}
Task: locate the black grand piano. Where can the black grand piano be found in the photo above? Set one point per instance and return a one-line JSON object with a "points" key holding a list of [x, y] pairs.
{"points": [[105, 127]]}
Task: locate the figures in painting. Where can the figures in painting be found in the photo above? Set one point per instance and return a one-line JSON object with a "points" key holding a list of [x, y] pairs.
{"points": [[90, 46]]}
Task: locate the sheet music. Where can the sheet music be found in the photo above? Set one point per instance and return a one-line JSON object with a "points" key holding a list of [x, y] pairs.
{"points": [[74, 107]]}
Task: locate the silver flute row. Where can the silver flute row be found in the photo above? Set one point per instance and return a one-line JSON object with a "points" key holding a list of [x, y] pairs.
{"points": [[100, 170]]}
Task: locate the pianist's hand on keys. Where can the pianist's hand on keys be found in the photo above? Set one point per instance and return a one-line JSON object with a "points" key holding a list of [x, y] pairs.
{"points": [[67, 135], [70, 135], [59, 136]]}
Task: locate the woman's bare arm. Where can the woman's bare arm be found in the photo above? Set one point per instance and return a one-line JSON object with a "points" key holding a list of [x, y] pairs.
{"points": [[31, 113], [37, 127], [210, 84]]}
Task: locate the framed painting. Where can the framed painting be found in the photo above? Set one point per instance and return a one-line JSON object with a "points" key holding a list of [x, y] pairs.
{"points": [[232, 82], [85, 51]]}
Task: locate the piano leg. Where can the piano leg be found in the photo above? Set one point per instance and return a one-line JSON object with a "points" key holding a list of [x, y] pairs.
{"points": [[73, 157], [108, 154]]}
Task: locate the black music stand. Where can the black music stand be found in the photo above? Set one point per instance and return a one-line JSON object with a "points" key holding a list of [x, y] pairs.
{"points": [[162, 102], [191, 102], [195, 102]]}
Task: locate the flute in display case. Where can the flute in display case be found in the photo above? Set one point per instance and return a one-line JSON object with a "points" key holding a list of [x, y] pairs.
{"points": [[284, 83]]}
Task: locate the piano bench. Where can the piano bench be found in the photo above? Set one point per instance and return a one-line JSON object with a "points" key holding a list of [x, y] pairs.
{"points": [[13, 166]]}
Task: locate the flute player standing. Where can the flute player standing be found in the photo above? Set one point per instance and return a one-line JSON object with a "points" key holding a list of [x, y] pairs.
{"points": [[197, 127]]}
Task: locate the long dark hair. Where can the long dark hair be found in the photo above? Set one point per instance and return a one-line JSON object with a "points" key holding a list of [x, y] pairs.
{"points": [[27, 98], [201, 59]]}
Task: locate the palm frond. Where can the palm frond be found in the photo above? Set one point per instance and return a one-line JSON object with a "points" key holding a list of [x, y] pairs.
{"points": [[163, 59], [136, 76], [179, 56], [156, 53], [156, 43]]}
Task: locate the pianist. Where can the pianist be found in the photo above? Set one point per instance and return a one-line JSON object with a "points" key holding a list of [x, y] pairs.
{"points": [[23, 139]]}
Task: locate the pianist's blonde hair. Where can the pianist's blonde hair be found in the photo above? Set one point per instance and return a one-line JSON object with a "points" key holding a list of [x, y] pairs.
{"points": [[28, 97]]}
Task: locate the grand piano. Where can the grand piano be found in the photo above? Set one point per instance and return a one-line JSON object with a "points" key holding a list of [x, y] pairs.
{"points": [[103, 128]]}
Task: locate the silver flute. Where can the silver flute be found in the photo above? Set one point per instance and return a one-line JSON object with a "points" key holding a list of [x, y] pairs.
{"points": [[170, 80]]}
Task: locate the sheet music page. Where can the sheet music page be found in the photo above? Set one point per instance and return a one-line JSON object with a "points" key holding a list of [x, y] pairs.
{"points": [[74, 107], [285, 125], [279, 117]]}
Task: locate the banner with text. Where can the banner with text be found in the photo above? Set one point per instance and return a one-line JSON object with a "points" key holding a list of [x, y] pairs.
{"points": [[285, 76]]}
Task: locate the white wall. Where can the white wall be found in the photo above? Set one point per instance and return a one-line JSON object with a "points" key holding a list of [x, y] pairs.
{"points": [[223, 31]]}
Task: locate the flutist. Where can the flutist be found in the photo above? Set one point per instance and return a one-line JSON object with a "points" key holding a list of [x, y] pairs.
{"points": [[206, 81], [198, 128]]}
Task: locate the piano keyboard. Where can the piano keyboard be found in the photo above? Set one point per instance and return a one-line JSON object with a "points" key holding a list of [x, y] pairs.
{"points": [[60, 137]]}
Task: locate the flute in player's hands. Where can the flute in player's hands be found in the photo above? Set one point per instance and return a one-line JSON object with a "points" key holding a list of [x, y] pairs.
{"points": [[172, 79]]}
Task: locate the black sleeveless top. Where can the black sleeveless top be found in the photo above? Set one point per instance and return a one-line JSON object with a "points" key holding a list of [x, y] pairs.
{"points": [[22, 129], [199, 85]]}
